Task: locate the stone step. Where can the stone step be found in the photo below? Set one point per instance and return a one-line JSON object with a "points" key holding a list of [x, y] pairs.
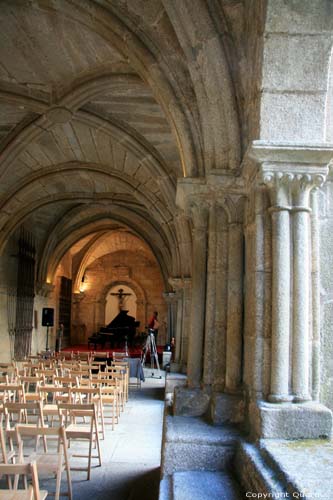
{"points": [[257, 474], [191, 443], [200, 485]]}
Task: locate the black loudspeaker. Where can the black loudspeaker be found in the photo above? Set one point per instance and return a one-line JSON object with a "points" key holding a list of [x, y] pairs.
{"points": [[47, 316]]}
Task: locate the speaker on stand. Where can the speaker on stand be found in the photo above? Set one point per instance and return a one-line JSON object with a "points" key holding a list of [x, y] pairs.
{"points": [[47, 320]]}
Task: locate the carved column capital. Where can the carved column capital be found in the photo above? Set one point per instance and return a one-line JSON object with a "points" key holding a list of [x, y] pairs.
{"points": [[290, 186], [180, 284], [278, 184], [301, 186], [199, 211], [170, 297]]}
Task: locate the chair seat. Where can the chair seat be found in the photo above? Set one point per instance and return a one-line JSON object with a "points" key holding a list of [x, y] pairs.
{"points": [[50, 409], [76, 430], [21, 495], [46, 462], [33, 396], [12, 432]]}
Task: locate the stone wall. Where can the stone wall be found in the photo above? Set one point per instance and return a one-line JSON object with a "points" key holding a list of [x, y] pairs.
{"points": [[8, 278], [296, 59], [140, 272]]}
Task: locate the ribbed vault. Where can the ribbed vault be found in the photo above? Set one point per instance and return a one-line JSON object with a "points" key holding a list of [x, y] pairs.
{"points": [[101, 111]]}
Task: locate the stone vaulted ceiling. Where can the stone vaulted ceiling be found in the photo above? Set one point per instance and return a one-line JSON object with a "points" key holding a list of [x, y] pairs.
{"points": [[99, 116]]}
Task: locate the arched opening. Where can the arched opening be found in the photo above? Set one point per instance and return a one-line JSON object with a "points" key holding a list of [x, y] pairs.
{"points": [[120, 299]]}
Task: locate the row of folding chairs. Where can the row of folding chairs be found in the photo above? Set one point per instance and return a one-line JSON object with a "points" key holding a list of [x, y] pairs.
{"points": [[76, 401], [77, 422]]}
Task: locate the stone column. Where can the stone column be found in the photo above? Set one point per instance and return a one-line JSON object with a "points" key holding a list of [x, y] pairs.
{"points": [[171, 300], [199, 212], [178, 285], [291, 171], [235, 308], [186, 321], [210, 319], [301, 188], [315, 296], [279, 194]]}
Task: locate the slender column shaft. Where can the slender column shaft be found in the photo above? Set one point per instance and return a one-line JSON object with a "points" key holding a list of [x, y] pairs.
{"points": [[280, 305], [235, 306], [199, 275], [208, 371], [186, 321], [301, 268], [315, 298], [179, 325]]}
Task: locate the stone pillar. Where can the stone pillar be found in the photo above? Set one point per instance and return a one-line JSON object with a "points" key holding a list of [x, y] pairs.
{"points": [[210, 320], [181, 321], [171, 300], [301, 188], [279, 194], [186, 321], [235, 308], [291, 172], [199, 212], [315, 296]]}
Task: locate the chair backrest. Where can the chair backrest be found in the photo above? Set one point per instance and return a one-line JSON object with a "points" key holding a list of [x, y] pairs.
{"points": [[76, 393], [29, 469], [30, 431], [29, 381], [68, 412], [70, 381], [14, 392], [23, 412], [100, 354], [119, 355]]}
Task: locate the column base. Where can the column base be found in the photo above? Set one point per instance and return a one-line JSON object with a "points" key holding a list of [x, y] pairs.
{"points": [[293, 421], [227, 408], [302, 399], [190, 402], [280, 398]]}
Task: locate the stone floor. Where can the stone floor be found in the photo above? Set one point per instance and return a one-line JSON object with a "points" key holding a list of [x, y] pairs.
{"points": [[131, 453]]}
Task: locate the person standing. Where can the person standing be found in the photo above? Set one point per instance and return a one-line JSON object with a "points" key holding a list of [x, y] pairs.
{"points": [[154, 324]]}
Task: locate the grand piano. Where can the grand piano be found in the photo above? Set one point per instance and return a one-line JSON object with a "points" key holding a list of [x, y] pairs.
{"points": [[121, 329]]}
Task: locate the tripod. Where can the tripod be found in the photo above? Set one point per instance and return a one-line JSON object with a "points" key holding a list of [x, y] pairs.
{"points": [[150, 346]]}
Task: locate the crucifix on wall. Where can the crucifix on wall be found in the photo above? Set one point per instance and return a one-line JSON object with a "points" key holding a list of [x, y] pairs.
{"points": [[121, 298]]}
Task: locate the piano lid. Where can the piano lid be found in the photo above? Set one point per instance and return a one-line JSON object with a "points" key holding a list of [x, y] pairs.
{"points": [[123, 320]]}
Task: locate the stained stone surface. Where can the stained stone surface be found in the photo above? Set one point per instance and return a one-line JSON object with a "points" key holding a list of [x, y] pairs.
{"points": [[308, 465], [227, 409], [190, 402], [295, 421]]}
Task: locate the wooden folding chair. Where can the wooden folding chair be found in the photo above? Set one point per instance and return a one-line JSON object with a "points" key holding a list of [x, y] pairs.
{"points": [[50, 396], [109, 396], [7, 456], [89, 394], [31, 387], [32, 493], [70, 414], [54, 462], [123, 367], [30, 413]]}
